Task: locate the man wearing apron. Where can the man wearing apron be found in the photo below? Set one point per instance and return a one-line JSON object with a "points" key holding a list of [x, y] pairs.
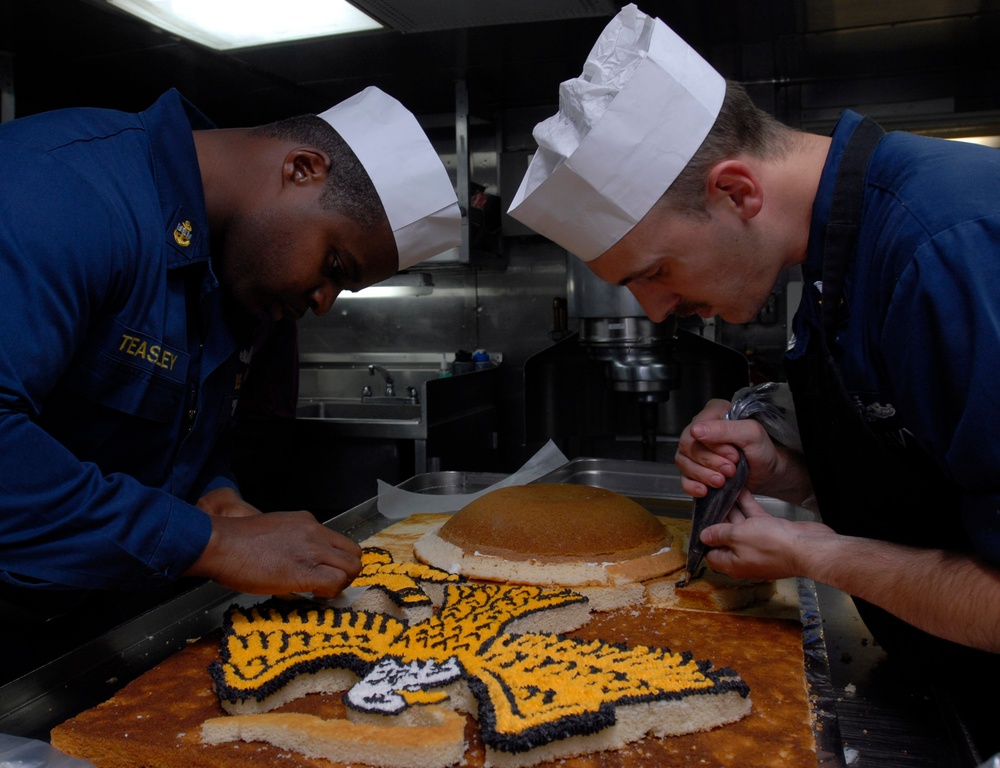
{"points": [[656, 172]]}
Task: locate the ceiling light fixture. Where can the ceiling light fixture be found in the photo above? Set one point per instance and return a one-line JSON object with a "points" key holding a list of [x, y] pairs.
{"points": [[986, 141], [400, 284], [227, 24]]}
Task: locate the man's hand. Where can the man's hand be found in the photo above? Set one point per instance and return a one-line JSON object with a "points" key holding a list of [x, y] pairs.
{"points": [[276, 554], [753, 544], [952, 595], [706, 456]]}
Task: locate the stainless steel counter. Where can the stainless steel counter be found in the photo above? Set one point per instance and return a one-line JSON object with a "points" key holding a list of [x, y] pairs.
{"points": [[868, 713]]}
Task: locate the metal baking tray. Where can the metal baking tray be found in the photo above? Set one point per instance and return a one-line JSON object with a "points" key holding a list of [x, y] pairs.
{"points": [[33, 704], [869, 713], [658, 488]]}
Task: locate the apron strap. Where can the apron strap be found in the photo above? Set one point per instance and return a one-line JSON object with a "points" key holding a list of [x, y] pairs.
{"points": [[845, 217]]}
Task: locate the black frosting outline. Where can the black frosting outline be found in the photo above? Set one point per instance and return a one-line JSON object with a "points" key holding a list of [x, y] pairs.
{"points": [[588, 723], [285, 610], [423, 599], [724, 680]]}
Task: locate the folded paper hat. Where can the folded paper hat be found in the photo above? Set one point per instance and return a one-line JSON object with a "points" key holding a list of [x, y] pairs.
{"points": [[624, 131], [408, 175]]}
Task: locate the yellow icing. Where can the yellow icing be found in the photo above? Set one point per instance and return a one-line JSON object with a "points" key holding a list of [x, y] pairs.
{"points": [[530, 679], [265, 644], [424, 697], [401, 581]]}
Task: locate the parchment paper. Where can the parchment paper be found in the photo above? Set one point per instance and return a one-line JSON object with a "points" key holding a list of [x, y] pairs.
{"points": [[397, 504]]}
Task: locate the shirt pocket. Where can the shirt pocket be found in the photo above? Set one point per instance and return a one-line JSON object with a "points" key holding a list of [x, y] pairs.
{"points": [[117, 416], [132, 373]]}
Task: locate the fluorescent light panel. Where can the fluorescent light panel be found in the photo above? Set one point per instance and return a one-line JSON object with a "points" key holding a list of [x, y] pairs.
{"points": [[986, 141], [228, 24], [400, 284]]}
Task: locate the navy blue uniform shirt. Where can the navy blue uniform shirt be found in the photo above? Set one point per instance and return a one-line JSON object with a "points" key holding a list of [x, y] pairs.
{"points": [[919, 344], [120, 362]]}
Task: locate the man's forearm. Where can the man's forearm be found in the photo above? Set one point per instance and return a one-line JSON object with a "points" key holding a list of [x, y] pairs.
{"points": [[950, 595], [225, 502]]}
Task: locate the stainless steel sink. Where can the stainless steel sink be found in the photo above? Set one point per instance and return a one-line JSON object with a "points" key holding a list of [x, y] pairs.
{"points": [[451, 414], [373, 400], [367, 409]]}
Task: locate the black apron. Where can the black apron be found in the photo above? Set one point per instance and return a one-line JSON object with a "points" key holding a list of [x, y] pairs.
{"points": [[867, 484]]}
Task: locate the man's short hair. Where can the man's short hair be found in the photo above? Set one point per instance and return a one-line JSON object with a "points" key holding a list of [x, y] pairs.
{"points": [[349, 189], [740, 128]]}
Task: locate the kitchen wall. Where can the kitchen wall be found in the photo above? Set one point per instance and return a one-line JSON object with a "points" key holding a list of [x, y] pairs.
{"points": [[502, 299], [924, 65]]}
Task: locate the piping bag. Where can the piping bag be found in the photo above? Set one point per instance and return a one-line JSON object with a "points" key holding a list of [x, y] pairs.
{"points": [[769, 403]]}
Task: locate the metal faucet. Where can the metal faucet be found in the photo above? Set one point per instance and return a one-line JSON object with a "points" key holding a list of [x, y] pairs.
{"points": [[390, 387]]}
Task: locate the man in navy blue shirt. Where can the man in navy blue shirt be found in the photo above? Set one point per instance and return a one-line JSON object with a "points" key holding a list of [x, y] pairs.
{"points": [[666, 179], [146, 261]]}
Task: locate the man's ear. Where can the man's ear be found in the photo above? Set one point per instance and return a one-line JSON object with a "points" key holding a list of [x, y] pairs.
{"points": [[305, 165], [733, 183]]}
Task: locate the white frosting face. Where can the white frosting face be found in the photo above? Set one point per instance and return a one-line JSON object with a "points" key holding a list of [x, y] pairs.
{"points": [[379, 690]]}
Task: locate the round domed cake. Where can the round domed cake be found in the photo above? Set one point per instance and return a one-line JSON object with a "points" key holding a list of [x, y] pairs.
{"points": [[553, 534], [554, 523]]}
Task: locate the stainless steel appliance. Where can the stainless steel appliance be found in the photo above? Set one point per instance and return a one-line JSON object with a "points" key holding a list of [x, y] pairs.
{"points": [[635, 351], [364, 417], [622, 378]]}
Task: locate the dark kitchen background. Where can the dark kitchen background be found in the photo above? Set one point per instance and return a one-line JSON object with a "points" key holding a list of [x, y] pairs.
{"points": [[479, 75]]}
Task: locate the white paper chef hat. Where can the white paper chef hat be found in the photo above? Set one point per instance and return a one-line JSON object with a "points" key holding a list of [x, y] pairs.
{"points": [[624, 131], [408, 175]]}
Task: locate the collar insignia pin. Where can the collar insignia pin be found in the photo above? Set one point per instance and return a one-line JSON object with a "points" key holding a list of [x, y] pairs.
{"points": [[183, 233]]}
